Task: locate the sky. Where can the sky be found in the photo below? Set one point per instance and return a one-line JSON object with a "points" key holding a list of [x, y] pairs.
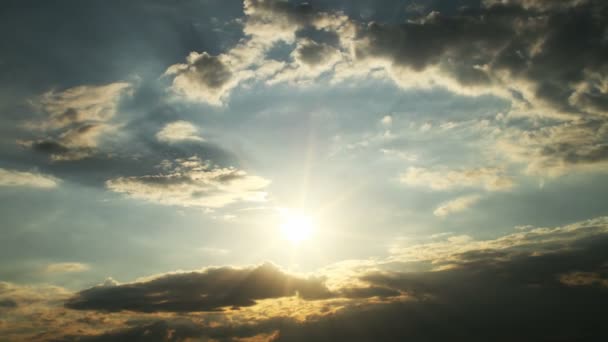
{"points": [[277, 170]]}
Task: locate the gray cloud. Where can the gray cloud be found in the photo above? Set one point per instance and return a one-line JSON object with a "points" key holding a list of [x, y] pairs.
{"points": [[531, 48], [313, 53], [203, 77], [209, 290]]}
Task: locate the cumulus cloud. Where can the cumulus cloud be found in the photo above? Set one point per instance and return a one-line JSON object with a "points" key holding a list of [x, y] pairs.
{"points": [[27, 179], [208, 290], [76, 118], [500, 44], [521, 50], [211, 78], [456, 205], [178, 131], [203, 77], [488, 178], [192, 182]]}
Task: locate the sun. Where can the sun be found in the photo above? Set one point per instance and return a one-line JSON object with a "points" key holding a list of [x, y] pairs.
{"points": [[296, 227]]}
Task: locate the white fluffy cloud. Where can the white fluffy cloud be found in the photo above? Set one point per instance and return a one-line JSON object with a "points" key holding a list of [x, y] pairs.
{"points": [[178, 131], [27, 179], [193, 183]]}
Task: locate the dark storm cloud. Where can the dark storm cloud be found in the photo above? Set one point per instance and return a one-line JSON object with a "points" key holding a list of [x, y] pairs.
{"points": [[209, 290]]}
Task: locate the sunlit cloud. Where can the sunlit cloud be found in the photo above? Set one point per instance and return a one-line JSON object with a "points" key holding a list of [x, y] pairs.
{"points": [[491, 179], [178, 131], [192, 182], [14, 178], [75, 120], [456, 205]]}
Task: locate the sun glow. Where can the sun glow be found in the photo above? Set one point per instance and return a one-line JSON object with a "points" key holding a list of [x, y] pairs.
{"points": [[296, 227]]}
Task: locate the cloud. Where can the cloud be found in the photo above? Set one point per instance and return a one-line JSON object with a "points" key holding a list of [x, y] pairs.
{"points": [[35, 313], [481, 298], [583, 279], [203, 77], [534, 239], [76, 119], [558, 149], [476, 291], [8, 303], [81, 104], [496, 45], [456, 205], [514, 49], [520, 50], [488, 178], [211, 78], [27, 179], [387, 121], [212, 289], [65, 267], [178, 131], [190, 182]]}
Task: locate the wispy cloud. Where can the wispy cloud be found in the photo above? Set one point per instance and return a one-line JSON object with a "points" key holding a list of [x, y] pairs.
{"points": [[456, 205], [192, 182], [27, 179], [488, 178]]}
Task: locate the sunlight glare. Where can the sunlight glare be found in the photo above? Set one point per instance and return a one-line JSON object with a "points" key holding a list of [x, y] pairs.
{"points": [[296, 227]]}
